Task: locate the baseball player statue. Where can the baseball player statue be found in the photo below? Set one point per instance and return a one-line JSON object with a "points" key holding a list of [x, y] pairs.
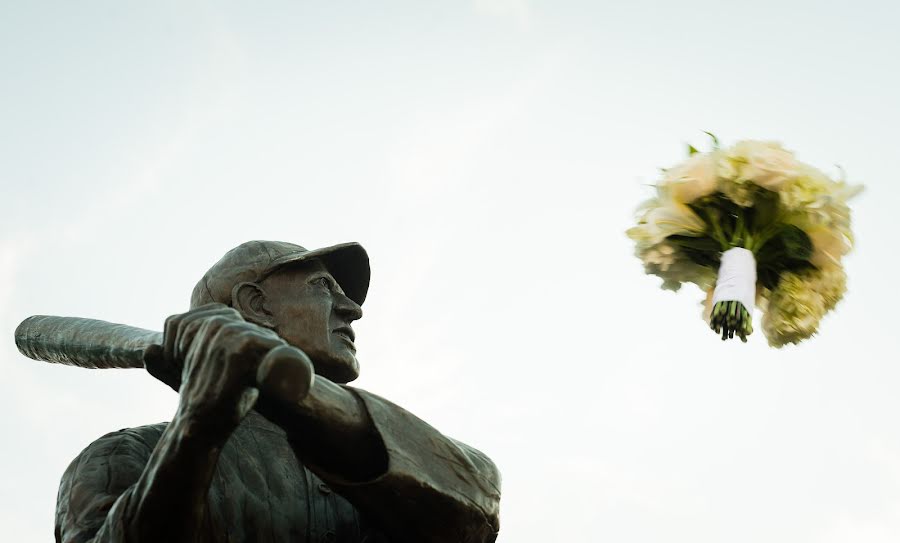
{"points": [[268, 443]]}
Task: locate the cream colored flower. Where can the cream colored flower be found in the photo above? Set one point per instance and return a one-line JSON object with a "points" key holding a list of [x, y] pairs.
{"points": [[662, 255], [666, 220], [817, 202], [794, 310], [831, 284], [726, 170], [739, 191], [765, 163], [829, 246], [668, 263], [806, 189], [692, 179]]}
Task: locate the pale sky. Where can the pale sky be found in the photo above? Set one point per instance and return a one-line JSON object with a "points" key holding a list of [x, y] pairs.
{"points": [[489, 155]]}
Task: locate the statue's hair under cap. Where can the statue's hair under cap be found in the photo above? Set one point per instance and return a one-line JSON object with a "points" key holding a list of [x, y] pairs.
{"points": [[348, 263]]}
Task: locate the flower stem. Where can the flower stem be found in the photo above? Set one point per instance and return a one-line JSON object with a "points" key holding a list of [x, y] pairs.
{"points": [[717, 233], [738, 231]]}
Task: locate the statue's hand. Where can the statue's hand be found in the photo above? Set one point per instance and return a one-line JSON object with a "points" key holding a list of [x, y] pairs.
{"points": [[219, 363], [219, 355]]}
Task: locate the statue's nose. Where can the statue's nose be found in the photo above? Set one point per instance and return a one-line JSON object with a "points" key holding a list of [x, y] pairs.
{"points": [[347, 308]]}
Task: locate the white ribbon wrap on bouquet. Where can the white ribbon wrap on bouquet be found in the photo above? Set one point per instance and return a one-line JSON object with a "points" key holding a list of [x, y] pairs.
{"points": [[737, 278]]}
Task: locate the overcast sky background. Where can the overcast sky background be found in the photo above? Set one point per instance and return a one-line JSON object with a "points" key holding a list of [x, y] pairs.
{"points": [[489, 155]]}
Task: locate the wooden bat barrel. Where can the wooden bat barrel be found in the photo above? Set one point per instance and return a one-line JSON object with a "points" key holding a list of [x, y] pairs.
{"points": [[86, 343]]}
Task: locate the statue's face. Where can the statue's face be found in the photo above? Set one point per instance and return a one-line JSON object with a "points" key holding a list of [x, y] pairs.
{"points": [[311, 312]]}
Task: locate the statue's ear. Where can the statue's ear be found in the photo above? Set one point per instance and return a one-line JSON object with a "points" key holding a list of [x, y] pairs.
{"points": [[250, 301]]}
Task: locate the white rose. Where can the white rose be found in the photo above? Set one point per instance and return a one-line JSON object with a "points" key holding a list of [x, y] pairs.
{"points": [[692, 179], [767, 164]]}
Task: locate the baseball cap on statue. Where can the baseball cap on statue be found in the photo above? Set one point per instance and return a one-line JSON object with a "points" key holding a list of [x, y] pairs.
{"points": [[348, 263]]}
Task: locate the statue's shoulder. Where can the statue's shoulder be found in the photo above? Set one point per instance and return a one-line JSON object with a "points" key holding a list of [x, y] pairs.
{"points": [[123, 450], [102, 472], [140, 437]]}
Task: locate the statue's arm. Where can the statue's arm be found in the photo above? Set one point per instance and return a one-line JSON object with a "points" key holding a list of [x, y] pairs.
{"points": [[403, 475], [123, 487], [166, 499]]}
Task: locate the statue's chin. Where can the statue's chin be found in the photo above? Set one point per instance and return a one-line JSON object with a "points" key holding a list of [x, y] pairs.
{"points": [[338, 371]]}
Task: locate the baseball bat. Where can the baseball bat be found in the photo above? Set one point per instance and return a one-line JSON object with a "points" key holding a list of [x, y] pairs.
{"points": [[96, 344], [86, 343]]}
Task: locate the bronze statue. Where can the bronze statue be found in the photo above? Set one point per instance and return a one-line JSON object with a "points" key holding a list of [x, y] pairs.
{"points": [[268, 443]]}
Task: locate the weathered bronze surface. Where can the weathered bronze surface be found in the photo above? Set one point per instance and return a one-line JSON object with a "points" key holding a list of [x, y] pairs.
{"points": [[268, 442]]}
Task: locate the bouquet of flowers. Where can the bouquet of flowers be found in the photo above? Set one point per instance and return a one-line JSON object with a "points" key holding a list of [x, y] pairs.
{"points": [[751, 226]]}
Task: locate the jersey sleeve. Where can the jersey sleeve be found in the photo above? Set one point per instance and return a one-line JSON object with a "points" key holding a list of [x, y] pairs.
{"points": [[435, 489], [94, 489]]}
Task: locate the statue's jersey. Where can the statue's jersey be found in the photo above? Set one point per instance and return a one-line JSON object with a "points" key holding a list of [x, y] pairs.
{"points": [[435, 489]]}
